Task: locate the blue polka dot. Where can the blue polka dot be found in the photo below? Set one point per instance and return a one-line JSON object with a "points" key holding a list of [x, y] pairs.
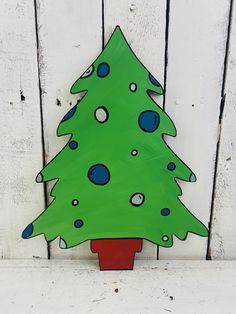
{"points": [[165, 211], [73, 144], [69, 114], [153, 80], [103, 69], [28, 231], [78, 223], [99, 174], [171, 166], [149, 121]]}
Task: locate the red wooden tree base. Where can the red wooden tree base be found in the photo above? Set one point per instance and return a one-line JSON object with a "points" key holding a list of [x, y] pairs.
{"points": [[116, 254]]}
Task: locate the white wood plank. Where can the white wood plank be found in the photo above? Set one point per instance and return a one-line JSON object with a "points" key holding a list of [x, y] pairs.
{"points": [[196, 51], [20, 128], [222, 244], [153, 287], [143, 24], [70, 38]]}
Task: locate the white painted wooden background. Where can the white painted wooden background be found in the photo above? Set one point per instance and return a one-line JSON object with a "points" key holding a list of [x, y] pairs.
{"points": [[190, 46], [56, 286]]}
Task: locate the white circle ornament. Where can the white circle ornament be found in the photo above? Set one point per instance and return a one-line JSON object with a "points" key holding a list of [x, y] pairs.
{"points": [[137, 199], [101, 114], [133, 87]]}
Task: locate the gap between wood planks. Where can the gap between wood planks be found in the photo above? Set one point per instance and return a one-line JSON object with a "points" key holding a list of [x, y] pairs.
{"points": [[41, 108], [222, 105], [166, 50], [165, 65]]}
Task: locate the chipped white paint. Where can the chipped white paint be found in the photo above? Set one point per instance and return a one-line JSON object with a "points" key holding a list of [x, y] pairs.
{"points": [[223, 236], [70, 38], [143, 24], [20, 128], [153, 287], [196, 51]]}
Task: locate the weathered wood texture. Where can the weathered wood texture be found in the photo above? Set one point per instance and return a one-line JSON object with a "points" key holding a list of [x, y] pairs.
{"points": [[154, 287], [143, 24], [20, 128], [196, 52], [223, 235], [70, 38]]}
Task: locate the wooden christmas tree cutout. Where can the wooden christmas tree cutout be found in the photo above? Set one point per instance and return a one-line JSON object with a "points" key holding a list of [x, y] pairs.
{"points": [[116, 175]]}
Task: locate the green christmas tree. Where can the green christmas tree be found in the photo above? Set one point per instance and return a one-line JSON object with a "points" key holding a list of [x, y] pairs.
{"points": [[116, 175]]}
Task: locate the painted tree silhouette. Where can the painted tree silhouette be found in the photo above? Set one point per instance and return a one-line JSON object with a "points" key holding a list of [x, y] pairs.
{"points": [[116, 175]]}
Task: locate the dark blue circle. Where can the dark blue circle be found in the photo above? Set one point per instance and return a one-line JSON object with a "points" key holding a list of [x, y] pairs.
{"points": [[149, 120], [28, 231], [103, 69], [165, 211], [69, 114], [73, 144], [153, 80], [171, 166], [99, 174], [78, 223]]}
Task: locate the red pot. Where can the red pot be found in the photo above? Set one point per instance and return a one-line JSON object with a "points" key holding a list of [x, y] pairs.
{"points": [[116, 254]]}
